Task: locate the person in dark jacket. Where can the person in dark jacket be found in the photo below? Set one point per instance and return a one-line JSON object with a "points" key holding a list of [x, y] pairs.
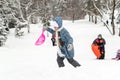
{"points": [[65, 48], [100, 41]]}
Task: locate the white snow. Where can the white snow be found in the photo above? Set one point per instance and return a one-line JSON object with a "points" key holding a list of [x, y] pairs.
{"points": [[20, 59]]}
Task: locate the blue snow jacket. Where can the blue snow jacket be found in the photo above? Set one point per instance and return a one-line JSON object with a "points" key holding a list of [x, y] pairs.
{"points": [[65, 38]]}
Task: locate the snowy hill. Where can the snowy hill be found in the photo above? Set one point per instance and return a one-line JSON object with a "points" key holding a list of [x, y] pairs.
{"points": [[20, 59]]}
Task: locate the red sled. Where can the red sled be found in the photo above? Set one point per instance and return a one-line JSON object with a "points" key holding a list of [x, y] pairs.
{"points": [[96, 50]]}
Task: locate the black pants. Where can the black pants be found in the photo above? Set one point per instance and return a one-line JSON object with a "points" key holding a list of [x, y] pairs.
{"points": [[102, 55], [53, 41], [102, 51], [71, 61]]}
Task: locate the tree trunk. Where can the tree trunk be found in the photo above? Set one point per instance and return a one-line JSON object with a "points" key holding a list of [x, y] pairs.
{"points": [[95, 20], [89, 17], [92, 18], [28, 28], [119, 31], [73, 15], [113, 25]]}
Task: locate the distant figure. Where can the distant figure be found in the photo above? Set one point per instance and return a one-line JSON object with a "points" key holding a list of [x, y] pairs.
{"points": [[100, 41], [107, 22], [117, 56]]}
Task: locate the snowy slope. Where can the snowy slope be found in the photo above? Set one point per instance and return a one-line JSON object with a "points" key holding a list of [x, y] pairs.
{"points": [[20, 59]]}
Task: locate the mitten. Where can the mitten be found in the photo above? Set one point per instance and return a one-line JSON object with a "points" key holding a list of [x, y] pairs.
{"points": [[69, 47]]}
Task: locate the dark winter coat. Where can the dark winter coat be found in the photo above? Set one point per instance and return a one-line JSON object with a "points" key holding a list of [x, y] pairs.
{"points": [[65, 39], [100, 42]]}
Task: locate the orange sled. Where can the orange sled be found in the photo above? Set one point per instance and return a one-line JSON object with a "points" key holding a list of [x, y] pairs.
{"points": [[95, 50]]}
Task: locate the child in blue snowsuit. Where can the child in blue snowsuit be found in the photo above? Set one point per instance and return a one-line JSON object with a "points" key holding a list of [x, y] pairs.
{"points": [[64, 43]]}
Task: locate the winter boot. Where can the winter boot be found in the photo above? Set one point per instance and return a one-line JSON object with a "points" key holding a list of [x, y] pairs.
{"points": [[73, 62], [60, 61]]}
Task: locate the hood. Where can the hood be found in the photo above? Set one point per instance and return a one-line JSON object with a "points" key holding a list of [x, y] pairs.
{"points": [[58, 20]]}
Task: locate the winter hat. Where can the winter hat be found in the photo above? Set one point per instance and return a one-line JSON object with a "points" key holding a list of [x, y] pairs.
{"points": [[58, 20], [100, 35]]}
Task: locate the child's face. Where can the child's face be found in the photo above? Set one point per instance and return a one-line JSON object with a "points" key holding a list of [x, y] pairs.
{"points": [[99, 37], [56, 28]]}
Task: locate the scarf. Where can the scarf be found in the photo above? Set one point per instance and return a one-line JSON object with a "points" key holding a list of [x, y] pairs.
{"points": [[59, 42]]}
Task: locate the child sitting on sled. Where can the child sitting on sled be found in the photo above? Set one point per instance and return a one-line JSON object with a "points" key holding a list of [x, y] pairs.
{"points": [[117, 56]]}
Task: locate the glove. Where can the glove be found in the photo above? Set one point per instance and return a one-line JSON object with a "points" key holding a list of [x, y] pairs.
{"points": [[102, 52], [95, 44], [69, 47]]}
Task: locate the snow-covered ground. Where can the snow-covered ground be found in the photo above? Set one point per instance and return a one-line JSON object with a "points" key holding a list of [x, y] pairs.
{"points": [[20, 59]]}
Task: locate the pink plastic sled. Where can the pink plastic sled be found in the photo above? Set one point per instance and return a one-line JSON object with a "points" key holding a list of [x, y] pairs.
{"points": [[41, 39]]}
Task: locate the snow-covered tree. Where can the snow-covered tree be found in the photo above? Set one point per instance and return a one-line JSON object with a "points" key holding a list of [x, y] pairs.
{"points": [[4, 30], [104, 9]]}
